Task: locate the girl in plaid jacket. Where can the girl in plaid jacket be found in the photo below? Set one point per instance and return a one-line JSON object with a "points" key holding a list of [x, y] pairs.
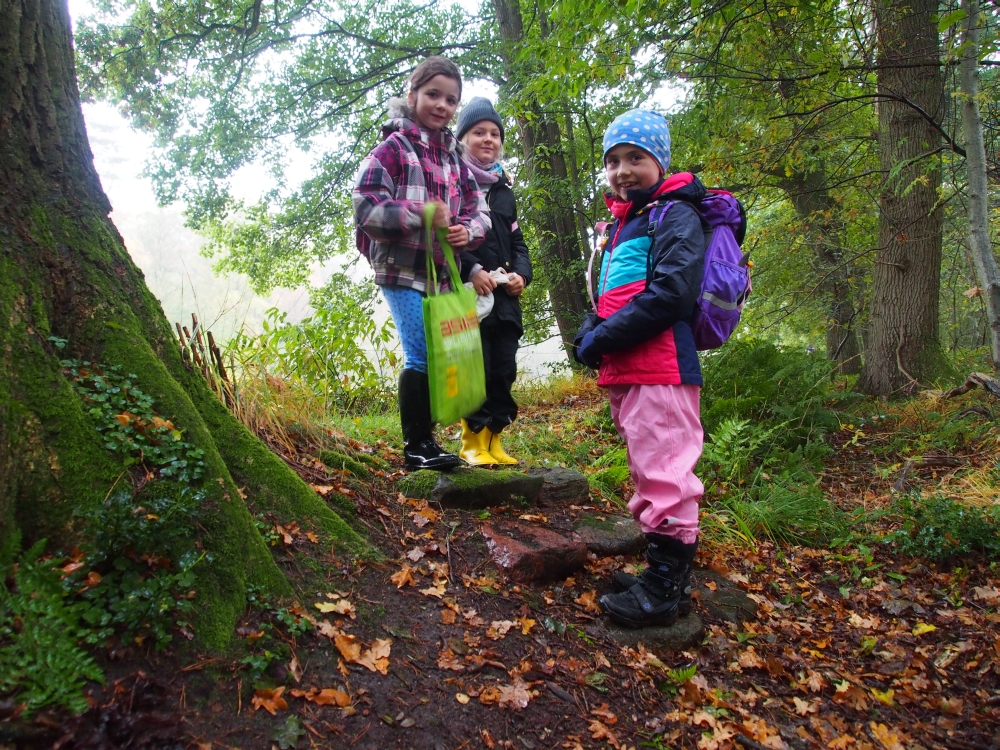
{"points": [[415, 164]]}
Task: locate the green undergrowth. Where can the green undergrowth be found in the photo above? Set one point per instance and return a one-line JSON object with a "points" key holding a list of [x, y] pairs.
{"points": [[44, 659], [132, 576], [943, 528]]}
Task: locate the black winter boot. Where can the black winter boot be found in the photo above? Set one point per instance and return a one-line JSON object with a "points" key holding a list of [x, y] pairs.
{"points": [[655, 597], [420, 450]]}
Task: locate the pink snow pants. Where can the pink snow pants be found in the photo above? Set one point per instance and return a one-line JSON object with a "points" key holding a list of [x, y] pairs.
{"points": [[661, 427]]}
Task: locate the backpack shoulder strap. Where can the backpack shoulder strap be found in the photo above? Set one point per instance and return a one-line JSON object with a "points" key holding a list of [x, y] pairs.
{"points": [[655, 214]]}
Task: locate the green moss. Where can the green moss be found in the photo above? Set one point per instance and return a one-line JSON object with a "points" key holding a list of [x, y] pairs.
{"points": [[421, 483], [373, 461], [595, 523], [342, 462]]}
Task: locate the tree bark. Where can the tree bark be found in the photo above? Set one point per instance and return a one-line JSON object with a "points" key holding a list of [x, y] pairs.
{"points": [[902, 341], [65, 272], [975, 168], [816, 206], [560, 248]]}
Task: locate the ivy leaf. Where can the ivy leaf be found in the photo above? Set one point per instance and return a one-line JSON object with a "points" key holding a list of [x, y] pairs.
{"points": [[289, 733]]}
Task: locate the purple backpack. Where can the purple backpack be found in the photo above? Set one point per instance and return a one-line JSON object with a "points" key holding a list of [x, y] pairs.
{"points": [[725, 285]]}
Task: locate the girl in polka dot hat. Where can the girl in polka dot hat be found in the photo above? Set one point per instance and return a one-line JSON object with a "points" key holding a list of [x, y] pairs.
{"points": [[639, 338]]}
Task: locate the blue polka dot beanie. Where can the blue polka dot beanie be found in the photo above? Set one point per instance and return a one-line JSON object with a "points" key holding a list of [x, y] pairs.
{"points": [[643, 128]]}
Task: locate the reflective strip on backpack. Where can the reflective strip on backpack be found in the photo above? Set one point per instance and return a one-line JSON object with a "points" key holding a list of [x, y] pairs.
{"points": [[721, 302]]}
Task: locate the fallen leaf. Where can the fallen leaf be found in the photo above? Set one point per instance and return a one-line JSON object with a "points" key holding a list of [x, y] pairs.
{"points": [[448, 660], [815, 682], [487, 739], [922, 627], [437, 590], [462, 698], [347, 647], [515, 695], [988, 594], [404, 577], [804, 708], [889, 740], [750, 659], [489, 695], [588, 600], [952, 706], [325, 697], [600, 732], [605, 713], [498, 629], [295, 668], [601, 661], [415, 554], [841, 743], [448, 616], [270, 700], [865, 623], [342, 607], [377, 657], [885, 697], [327, 630], [526, 624]]}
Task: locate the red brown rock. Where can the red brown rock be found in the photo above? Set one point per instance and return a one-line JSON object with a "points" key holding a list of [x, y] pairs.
{"points": [[533, 553]]}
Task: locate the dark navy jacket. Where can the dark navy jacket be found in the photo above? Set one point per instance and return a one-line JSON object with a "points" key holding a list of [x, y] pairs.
{"points": [[648, 288], [503, 247]]}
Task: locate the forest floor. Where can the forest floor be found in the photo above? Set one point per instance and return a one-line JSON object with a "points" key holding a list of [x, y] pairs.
{"points": [[431, 646]]}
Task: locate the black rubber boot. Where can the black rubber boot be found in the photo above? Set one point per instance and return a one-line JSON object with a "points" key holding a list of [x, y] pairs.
{"points": [[622, 581], [655, 597], [420, 450]]}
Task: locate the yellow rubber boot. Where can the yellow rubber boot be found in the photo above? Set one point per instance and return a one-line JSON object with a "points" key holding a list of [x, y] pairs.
{"points": [[474, 446], [496, 449]]}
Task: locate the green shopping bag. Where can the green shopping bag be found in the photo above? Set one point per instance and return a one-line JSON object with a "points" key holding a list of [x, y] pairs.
{"points": [[454, 346]]}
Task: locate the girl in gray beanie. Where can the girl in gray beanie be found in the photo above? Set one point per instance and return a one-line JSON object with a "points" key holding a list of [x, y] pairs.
{"points": [[505, 255]]}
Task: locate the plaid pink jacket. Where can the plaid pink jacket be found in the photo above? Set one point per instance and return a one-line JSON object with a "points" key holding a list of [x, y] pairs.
{"points": [[408, 168]]}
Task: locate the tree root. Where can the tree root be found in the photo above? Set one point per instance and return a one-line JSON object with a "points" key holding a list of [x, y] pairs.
{"points": [[926, 462], [975, 379]]}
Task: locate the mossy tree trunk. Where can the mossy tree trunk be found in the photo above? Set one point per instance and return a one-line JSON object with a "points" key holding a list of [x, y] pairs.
{"points": [[64, 272]]}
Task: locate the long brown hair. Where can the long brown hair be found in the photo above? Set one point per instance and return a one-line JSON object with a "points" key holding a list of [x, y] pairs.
{"points": [[435, 65]]}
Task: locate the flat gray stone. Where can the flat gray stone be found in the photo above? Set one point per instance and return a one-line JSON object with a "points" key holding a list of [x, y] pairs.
{"points": [[607, 536], [728, 601], [470, 488], [684, 634], [561, 486]]}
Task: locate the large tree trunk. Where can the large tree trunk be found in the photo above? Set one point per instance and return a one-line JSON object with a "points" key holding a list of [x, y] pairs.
{"points": [[817, 208], [902, 344], [555, 220], [975, 168], [64, 272]]}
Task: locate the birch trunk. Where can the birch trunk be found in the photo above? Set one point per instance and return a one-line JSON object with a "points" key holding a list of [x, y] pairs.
{"points": [[987, 272]]}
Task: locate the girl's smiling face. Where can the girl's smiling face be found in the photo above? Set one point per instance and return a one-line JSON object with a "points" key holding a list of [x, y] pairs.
{"points": [[435, 102], [483, 141], [629, 167]]}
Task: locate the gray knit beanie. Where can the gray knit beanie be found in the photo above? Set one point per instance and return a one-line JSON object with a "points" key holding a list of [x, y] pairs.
{"points": [[477, 110]]}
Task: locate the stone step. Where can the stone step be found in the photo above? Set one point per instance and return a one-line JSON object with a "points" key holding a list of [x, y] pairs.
{"points": [[684, 634], [608, 536], [471, 489], [530, 554], [561, 487]]}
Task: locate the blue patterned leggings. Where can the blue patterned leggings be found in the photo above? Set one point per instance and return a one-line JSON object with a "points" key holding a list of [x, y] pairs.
{"points": [[406, 306]]}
